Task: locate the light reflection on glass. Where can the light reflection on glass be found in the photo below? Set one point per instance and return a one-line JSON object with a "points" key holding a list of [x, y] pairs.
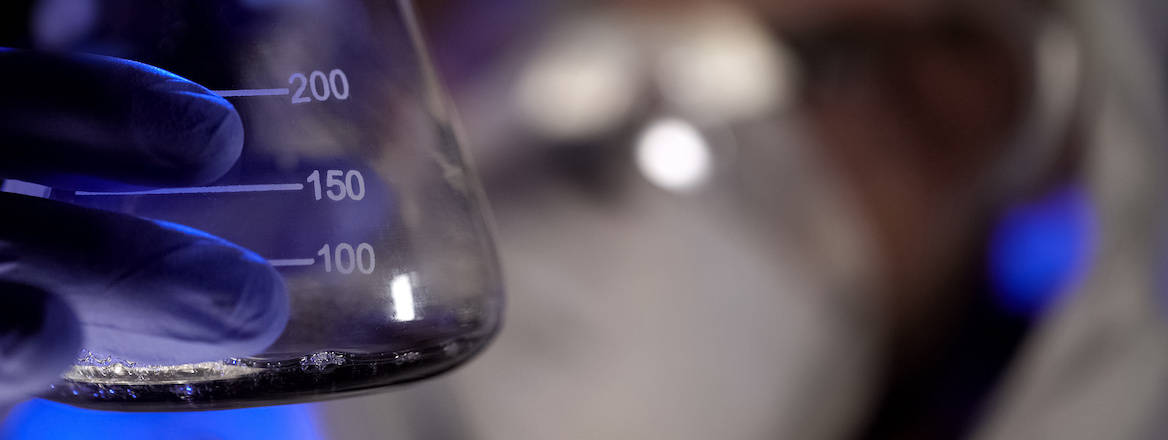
{"points": [[401, 291]]}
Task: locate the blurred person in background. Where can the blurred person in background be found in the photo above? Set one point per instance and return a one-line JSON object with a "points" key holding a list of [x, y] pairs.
{"points": [[794, 219]]}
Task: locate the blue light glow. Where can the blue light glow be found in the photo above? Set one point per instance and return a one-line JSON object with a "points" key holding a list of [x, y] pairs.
{"points": [[1041, 249], [41, 419]]}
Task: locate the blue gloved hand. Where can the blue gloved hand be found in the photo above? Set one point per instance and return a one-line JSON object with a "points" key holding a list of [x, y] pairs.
{"points": [[73, 277]]}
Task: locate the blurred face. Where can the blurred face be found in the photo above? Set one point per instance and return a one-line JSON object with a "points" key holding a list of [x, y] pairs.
{"points": [[916, 105], [916, 118], [903, 116]]}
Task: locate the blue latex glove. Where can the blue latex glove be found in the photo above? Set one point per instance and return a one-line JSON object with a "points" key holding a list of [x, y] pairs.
{"points": [[71, 277]]}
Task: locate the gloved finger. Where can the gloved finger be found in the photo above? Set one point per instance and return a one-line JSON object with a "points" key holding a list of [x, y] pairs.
{"points": [[146, 291], [39, 338], [86, 122]]}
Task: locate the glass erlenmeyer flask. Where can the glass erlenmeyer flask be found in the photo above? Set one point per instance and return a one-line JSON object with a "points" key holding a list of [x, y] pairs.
{"points": [[352, 183]]}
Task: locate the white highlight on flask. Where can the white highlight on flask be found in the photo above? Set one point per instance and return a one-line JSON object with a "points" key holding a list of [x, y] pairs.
{"points": [[401, 290]]}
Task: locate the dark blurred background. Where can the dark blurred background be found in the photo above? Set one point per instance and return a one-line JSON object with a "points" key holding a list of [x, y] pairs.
{"points": [[803, 219]]}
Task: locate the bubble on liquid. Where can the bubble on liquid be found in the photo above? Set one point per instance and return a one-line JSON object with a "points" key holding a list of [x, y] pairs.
{"points": [[322, 361], [120, 372], [452, 348], [408, 357]]}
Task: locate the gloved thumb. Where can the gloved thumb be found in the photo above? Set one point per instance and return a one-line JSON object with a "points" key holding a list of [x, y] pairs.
{"points": [[39, 338]]}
